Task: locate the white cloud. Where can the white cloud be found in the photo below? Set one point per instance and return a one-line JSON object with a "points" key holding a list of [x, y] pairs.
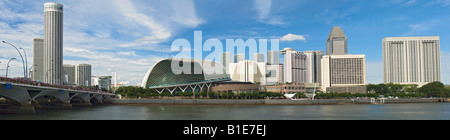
{"points": [[127, 53], [107, 36], [263, 7], [292, 37], [159, 32]]}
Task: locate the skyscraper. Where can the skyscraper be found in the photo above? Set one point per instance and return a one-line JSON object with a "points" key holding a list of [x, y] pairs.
{"points": [[225, 60], [337, 42], [53, 43], [411, 60], [314, 66], [70, 71], [238, 58], [341, 72], [83, 74], [295, 66], [258, 57], [273, 57], [38, 63]]}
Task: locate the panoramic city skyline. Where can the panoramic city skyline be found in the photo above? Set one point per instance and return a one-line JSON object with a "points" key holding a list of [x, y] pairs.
{"points": [[128, 37]]}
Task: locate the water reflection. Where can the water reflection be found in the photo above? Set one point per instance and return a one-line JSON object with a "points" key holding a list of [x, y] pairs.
{"points": [[245, 112]]}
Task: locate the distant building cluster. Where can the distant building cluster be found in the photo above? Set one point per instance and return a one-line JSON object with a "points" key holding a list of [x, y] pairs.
{"points": [[48, 64], [406, 60]]}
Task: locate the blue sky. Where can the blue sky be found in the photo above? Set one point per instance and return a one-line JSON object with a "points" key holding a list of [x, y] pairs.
{"points": [[128, 37]]}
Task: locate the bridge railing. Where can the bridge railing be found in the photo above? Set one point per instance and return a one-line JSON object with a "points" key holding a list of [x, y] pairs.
{"points": [[35, 83]]}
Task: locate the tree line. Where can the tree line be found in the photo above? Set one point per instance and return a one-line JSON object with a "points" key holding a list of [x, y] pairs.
{"points": [[434, 89], [136, 92]]}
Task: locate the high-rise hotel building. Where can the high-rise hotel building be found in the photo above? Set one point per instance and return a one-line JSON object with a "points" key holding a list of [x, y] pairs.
{"points": [[411, 60], [53, 43], [295, 66], [342, 72]]}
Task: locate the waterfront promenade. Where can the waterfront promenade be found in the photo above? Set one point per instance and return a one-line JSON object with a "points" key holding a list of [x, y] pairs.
{"points": [[267, 102]]}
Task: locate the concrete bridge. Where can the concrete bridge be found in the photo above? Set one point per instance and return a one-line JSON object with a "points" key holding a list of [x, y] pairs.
{"points": [[23, 98]]}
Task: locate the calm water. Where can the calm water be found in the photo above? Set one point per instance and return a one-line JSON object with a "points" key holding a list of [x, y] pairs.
{"points": [[440, 111]]}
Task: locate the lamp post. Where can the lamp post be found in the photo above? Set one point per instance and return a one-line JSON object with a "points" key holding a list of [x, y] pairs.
{"points": [[7, 66], [26, 62], [23, 62]]}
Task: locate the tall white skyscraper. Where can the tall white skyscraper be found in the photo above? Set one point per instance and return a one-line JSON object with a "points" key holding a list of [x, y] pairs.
{"points": [[83, 74], [38, 62], [53, 43], [295, 66], [337, 42], [411, 60]]}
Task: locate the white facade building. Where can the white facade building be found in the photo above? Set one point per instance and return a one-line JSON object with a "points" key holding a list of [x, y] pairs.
{"points": [[103, 82], [53, 43], [83, 73], [248, 71], [343, 71], [38, 62], [314, 67], [411, 60], [295, 66]]}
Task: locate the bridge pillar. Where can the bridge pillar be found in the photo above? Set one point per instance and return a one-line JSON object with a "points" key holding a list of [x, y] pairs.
{"points": [[18, 94], [58, 94]]}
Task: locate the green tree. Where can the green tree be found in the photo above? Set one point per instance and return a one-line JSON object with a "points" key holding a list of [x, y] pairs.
{"points": [[433, 89]]}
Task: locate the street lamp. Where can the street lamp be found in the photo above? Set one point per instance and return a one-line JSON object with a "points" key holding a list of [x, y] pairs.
{"points": [[23, 62], [26, 62], [7, 66]]}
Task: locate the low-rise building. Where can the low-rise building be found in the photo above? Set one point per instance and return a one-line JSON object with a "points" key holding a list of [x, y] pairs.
{"points": [[291, 88]]}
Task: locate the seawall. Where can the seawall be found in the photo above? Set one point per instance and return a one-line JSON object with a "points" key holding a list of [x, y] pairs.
{"points": [[260, 102]]}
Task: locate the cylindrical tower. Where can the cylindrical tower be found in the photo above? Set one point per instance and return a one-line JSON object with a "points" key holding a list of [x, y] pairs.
{"points": [[53, 43]]}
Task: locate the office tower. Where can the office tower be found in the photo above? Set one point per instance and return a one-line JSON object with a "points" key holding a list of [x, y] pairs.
{"points": [[248, 71], [273, 57], [344, 71], [411, 60], [38, 62], [225, 60], [70, 71], [83, 74], [314, 66], [102, 82], [53, 43], [258, 57], [295, 66], [337, 42], [274, 74], [238, 58]]}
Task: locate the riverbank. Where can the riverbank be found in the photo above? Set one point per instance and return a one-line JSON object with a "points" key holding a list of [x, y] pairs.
{"points": [[266, 102]]}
